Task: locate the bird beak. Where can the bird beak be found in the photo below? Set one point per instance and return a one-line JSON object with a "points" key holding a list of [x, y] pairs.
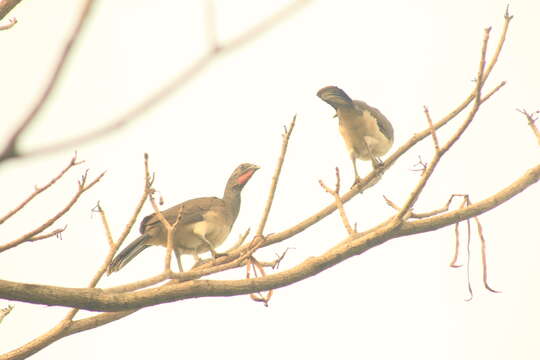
{"points": [[242, 179]]}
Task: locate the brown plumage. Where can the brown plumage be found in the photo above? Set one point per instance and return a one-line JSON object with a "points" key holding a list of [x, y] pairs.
{"points": [[366, 131], [204, 224]]}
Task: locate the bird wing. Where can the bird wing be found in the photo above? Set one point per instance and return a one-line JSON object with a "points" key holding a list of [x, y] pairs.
{"points": [[384, 125], [192, 211]]}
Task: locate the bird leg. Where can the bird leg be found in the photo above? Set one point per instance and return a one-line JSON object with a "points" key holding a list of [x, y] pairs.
{"points": [[356, 176], [177, 254], [376, 162], [215, 254], [199, 261]]}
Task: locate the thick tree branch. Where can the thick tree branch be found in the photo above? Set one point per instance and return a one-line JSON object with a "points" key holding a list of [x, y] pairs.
{"points": [[67, 326], [99, 300]]}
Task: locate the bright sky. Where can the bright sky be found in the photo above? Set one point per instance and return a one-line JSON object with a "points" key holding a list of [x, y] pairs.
{"points": [[397, 301]]}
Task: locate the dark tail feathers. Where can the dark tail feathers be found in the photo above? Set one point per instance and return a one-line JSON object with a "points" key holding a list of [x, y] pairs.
{"points": [[334, 96], [126, 255]]}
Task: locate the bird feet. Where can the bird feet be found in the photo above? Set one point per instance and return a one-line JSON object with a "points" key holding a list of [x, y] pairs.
{"points": [[216, 254], [377, 163], [357, 181]]}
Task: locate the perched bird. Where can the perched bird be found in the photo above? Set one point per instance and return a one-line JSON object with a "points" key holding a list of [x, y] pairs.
{"points": [[204, 223], [367, 132]]}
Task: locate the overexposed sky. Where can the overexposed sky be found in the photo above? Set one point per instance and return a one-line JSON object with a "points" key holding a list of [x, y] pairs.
{"points": [[397, 301]]}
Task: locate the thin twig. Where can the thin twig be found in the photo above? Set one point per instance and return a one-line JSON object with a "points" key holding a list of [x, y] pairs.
{"points": [[168, 226], [339, 203], [57, 232], [11, 146], [38, 190], [240, 241], [432, 129], [275, 178], [493, 91], [105, 223], [484, 256], [438, 155], [28, 237], [423, 215], [210, 22], [9, 25], [257, 267], [5, 311], [453, 262], [531, 120], [469, 287], [463, 205], [502, 39], [148, 181]]}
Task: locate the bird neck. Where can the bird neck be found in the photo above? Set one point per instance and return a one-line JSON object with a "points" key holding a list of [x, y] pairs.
{"points": [[232, 199]]}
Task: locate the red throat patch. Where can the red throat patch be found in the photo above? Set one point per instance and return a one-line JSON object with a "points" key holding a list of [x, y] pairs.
{"points": [[242, 179]]}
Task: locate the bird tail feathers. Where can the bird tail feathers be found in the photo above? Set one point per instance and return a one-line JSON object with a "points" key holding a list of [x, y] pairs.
{"points": [[334, 96], [126, 255]]}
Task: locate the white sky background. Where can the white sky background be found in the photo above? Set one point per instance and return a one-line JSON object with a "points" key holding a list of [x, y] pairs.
{"points": [[399, 300]]}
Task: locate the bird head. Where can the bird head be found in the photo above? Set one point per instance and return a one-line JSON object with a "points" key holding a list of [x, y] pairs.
{"points": [[241, 175], [334, 96]]}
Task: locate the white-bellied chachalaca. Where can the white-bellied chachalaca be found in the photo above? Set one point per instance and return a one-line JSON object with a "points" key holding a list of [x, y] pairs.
{"points": [[204, 224], [367, 132]]}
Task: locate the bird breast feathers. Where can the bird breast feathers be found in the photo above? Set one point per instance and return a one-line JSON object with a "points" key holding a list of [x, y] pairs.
{"points": [[358, 124]]}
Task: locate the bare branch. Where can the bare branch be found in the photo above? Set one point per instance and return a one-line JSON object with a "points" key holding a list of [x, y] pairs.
{"points": [[432, 129], [181, 79], [6, 6], [29, 236], [39, 190], [414, 215], [5, 311], [11, 147], [439, 154], [100, 300], [240, 241], [419, 136], [469, 287], [275, 178], [339, 203], [168, 226], [147, 186], [59, 332], [105, 223], [9, 25], [493, 91], [484, 256], [453, 262], [67, 326], [56, 232], [257, 267], [531, 119], [210, 22]]}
